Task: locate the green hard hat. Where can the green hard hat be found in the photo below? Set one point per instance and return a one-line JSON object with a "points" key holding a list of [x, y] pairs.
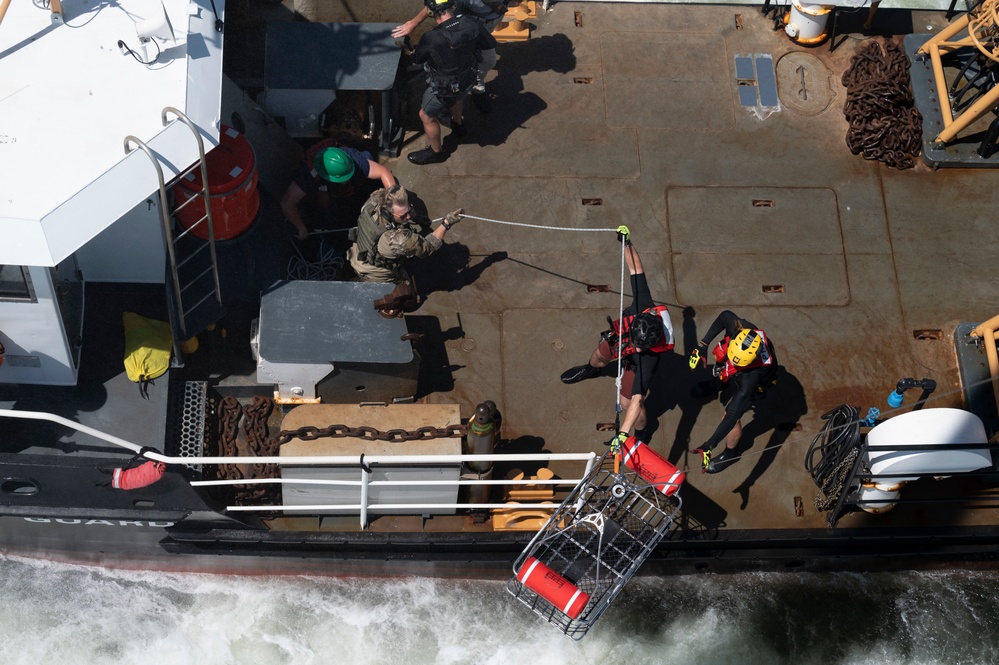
{"points": [[334, 165]]}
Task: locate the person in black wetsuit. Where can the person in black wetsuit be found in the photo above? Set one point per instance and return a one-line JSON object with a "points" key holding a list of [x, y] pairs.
{"points": [[640, 337], [450, 52], [746, 359]]}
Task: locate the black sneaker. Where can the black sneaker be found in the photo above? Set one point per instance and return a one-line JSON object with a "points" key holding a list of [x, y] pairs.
{"points": [[458, 129], [427, 156], [722, 461], [579, 373]]}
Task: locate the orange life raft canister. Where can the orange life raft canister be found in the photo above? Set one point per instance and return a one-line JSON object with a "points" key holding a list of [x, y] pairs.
{"points": [[554, 588], [651, 466]]}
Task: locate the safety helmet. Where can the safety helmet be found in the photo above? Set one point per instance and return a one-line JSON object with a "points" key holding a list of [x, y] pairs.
{"points": [[438, 6], [646, 330], [334, 165], [744, 347]]}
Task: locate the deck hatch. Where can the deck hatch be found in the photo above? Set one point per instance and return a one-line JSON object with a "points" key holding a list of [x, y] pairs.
{"points": [[756, 80]]}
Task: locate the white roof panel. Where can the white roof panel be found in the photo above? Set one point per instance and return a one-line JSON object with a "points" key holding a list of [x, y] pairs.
{"points": [[68, 97]]}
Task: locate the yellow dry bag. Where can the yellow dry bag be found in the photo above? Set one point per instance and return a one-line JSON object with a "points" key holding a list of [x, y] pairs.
{"points": [[147, 348]]}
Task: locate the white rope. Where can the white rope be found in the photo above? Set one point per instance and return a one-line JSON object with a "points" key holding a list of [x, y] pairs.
{"points": [[620, 368], [530, 226], [620, 309]]}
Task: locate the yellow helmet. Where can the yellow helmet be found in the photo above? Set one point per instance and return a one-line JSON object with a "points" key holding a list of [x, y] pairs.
{"points": [[744, 347]]}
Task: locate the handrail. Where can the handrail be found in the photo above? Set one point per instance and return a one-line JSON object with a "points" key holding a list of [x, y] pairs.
{"points": [[165, 224], [334, 460]]}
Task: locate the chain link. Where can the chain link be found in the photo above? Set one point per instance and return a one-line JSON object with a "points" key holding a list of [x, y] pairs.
{"points": [[339, 431], [884, 123], [835, 483]]}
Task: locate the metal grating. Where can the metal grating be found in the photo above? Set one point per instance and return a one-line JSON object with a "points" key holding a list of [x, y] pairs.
{"points": [[191, 434]]}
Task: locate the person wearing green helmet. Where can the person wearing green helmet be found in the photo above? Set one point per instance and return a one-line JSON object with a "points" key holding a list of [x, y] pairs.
{"points": [[336, 180]]}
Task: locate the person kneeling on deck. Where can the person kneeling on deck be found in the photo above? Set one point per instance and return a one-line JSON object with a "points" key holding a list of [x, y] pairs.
{"points": [[639, 338], [386, 237], [451, 53], [745, 358]]}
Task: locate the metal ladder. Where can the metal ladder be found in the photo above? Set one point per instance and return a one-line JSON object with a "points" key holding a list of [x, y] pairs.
{"points": [[193, 294]]}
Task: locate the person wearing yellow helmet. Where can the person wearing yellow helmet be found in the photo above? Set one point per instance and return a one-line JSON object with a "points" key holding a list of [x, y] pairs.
{"points": [[336, 180], [746, 360]]}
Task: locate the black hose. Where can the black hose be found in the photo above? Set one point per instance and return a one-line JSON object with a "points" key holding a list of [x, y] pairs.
{"points": [[834, 442]]}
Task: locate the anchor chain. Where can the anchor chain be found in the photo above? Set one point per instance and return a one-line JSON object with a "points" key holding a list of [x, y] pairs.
{"points": [[834, 483], [262, 444], [884, 122]]}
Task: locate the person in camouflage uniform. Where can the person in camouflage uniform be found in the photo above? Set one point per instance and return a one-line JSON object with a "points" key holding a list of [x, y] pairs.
{"points": [[387, 236]]}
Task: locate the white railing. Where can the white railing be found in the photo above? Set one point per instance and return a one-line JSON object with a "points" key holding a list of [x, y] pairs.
{"points": [[364, 507], [358, 461]]}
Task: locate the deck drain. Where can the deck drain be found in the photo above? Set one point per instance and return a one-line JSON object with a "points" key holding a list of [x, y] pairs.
{"points": [[585, 80], [927, 334], [593, 202], [738, 22], [763, 203], [803, 83], [597, 288], [773, 288], [579, 19], [606, 427]]}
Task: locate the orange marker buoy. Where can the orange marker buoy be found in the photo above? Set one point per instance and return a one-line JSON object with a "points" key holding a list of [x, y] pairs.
{"points": [[651, 466], [554, 588]]}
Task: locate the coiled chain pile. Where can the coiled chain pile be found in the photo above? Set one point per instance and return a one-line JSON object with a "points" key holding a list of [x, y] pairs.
{"points": [[261, 444], [884, 123]]}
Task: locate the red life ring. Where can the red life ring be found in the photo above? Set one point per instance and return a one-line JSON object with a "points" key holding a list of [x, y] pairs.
{"points": [[651, 466], [140, 476], [560, 592]]}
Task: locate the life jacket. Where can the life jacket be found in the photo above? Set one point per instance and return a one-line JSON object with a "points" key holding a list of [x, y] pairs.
{"points": [[453, 70], [373, 222], [621, 327], [728, 369]]}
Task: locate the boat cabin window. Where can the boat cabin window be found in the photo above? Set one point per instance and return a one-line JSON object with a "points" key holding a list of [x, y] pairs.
{"points": [[15, 284]]}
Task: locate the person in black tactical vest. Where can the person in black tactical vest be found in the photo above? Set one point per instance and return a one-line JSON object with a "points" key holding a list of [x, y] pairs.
{"points": [[450, 52], [487, 12], [387, 236]]}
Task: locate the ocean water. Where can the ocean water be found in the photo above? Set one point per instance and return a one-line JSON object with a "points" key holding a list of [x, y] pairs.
{"points": [[54, 613]]}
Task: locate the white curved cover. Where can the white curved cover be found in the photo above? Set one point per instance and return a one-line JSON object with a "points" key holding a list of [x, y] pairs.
{"points": [[928, 426]]}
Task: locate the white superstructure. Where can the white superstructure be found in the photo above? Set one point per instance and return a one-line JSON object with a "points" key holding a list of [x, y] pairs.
{"points": [[71, 89]]}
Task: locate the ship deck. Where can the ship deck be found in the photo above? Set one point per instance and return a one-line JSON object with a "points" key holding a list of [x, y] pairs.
{"points": [[630, 114]]}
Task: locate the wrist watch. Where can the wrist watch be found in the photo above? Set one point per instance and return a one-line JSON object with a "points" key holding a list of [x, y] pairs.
{"points": [[447, 227]]}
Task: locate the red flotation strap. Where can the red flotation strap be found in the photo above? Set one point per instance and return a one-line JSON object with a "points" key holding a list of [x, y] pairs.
{"points": [[140, 476], [652, 466], [554, 588]]}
